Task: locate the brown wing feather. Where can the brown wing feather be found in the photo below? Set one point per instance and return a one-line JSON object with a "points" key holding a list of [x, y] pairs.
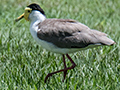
{"points": [[67, 33]]}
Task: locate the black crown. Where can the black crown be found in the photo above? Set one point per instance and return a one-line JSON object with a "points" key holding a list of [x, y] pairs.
{"points": [[35, 6]]}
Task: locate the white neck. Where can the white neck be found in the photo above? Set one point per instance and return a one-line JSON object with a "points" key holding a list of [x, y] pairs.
{"points": [[36, 16]]}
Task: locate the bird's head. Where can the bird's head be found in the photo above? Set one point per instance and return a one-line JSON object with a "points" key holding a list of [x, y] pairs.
{"points": [[28, 10]]}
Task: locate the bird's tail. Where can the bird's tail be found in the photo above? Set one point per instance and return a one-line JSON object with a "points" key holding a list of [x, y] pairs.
{"points": [[107, 41]]}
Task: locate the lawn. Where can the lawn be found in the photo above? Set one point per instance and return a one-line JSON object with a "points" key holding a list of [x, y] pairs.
{"points": [[24, 64]]}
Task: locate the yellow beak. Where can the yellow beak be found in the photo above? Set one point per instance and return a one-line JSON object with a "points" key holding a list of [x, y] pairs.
{"points": [[25, 15], [20, 17]]}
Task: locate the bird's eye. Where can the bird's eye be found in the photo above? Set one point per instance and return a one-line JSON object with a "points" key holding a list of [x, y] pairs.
{"points": [[29, 11]]}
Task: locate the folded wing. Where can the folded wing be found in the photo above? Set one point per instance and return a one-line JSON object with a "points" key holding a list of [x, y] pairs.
{"points": [[67, 33]]}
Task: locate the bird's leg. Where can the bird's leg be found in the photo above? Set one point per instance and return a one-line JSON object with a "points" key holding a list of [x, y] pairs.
{"points": [[73, 63], [65, 72], [62, 70]]}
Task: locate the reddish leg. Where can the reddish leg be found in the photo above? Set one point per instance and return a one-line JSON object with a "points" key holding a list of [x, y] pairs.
{"points": [[65, 72], [62, 70]]}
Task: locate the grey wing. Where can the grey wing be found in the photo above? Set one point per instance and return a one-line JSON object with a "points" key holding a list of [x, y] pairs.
{"points": [[68, 34]]}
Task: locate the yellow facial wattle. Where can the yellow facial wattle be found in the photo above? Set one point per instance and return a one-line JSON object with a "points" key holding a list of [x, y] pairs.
{"points": [[25, 14]]}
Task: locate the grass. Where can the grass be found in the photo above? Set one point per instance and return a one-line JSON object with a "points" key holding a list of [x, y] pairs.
{"points": [[24, 64]]}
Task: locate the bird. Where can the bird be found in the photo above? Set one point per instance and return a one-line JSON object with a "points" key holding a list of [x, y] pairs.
{"points": [[62, 36]]}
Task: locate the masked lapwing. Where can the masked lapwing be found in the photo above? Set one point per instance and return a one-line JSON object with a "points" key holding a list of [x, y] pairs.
{"points": [[62, 36]]}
